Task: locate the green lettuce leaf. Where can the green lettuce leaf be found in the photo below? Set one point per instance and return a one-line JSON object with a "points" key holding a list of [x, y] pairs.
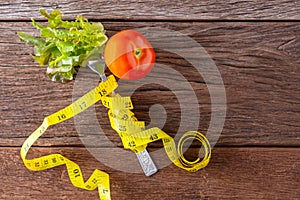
{"points": [[64, 45]]}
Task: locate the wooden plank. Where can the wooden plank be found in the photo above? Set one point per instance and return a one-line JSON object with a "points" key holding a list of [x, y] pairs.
{"points": [[259, 64], [156, 10], [234, 173]]}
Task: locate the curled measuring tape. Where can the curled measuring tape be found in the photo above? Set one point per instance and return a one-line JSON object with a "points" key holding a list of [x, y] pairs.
{"points": [[131, 131], [135, 137]]}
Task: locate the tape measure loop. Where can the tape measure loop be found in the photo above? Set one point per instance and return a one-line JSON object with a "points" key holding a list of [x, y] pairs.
{"points": [[199, 162], [134, 137]]}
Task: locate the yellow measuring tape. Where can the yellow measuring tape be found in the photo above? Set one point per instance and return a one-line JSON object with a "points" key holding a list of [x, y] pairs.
{"points": [[135, 137], [131, 131]]}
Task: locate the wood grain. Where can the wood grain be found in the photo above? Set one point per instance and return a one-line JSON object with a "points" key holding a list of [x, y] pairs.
{"points": [[255, 46], [156, 10], [241, 173], [259, 64]]}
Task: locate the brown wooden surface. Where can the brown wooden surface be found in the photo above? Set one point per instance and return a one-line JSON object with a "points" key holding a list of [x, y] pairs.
{"points": [[157, 10], [256, 47], [234, 173]]}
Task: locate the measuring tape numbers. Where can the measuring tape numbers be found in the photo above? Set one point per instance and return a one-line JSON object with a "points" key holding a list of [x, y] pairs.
{"points": [[135, 137], [98, 178], [132, 132]]}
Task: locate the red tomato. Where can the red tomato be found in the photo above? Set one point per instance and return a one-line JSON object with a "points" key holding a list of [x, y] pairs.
{"points": [[129, 55]]}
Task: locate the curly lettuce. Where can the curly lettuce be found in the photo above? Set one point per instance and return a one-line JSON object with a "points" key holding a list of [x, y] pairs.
{"points": [[65, 45]]}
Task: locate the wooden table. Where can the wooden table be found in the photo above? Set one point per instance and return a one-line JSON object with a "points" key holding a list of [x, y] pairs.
{"points": [[256, 47]]}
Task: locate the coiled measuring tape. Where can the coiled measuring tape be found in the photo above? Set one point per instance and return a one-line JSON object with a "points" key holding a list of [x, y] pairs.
{"points": [[131, 131]]}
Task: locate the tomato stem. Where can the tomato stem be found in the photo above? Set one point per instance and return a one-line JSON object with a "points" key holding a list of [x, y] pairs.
{"points": [[137, 52]]}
